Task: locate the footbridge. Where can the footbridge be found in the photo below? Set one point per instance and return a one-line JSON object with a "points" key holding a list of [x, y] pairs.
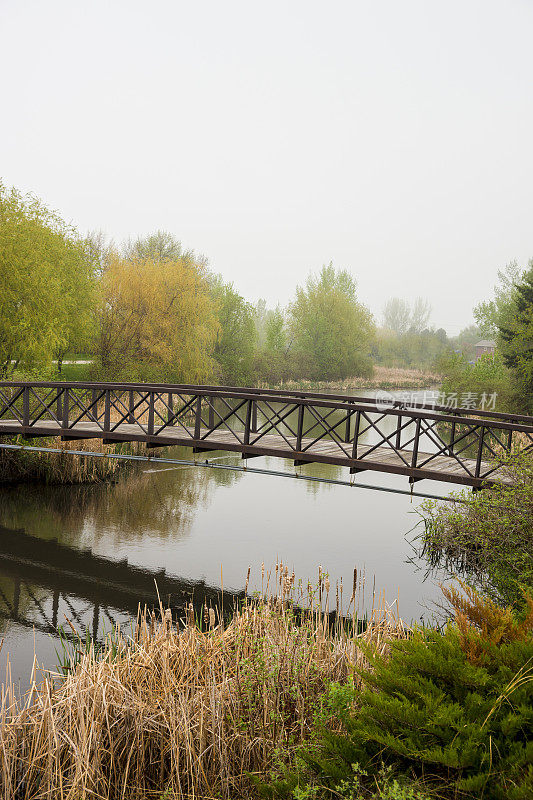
{"points": [[462, 446]]}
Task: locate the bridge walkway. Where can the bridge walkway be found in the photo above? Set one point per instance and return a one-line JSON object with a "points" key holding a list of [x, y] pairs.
{"points": [[381, 459]]}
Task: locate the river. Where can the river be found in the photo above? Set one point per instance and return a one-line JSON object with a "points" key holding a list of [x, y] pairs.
{"points": [[89, 554]]}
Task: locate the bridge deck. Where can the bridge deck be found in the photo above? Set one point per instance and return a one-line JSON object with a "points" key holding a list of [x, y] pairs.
{"points": [[327, 451]]}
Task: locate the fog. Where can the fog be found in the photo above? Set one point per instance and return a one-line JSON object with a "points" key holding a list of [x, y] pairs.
{"points": [[391, 138]]}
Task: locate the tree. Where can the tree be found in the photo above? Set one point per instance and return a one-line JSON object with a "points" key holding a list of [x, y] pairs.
{"points": [[420, 315], [159, 246], [490, 314], [276, 337], [46, 282], [466, 340], [156, 320], [516, 337], [331, 329], [397, 315], [235, 341]]}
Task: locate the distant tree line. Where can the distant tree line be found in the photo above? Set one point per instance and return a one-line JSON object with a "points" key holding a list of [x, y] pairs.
{"points": [[152, 310]]}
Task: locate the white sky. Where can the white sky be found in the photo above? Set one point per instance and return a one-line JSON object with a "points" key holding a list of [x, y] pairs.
{"points": [[394, 138]]}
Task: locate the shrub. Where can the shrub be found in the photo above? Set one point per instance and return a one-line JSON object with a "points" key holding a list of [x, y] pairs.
{"points": [[489, 538], [451, 709]]}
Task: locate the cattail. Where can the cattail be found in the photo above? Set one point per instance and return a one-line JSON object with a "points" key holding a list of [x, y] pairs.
{"points": [[354, 589]]}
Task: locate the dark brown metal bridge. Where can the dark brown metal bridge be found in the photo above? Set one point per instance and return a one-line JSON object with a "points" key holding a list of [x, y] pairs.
{"points": [[462, 446]]}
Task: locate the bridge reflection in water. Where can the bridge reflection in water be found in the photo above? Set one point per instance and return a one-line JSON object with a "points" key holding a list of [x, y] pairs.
{"points": [[43, 581]]}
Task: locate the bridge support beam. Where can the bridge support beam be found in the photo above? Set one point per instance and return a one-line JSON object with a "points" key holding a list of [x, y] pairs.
{"points": [[204, 449]]}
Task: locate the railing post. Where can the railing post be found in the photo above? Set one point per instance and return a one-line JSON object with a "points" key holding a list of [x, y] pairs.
{"points": [[94, 404], [356, 434], [211, 420], [452, 439], [248, 421], [415, 443], [170, 404], [107, 410], [480, 451], [66, 409], [399, 433], [198, 417], [151, 414], [131, 407], [300, 428], [254, 417], [510, 442], [26, 406], [348, 425], [59, 406]]}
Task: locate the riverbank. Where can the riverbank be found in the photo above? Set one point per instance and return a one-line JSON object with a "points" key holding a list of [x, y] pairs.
{"points": [[189, 711], [274, 703], [63, 467], [382, 378]]}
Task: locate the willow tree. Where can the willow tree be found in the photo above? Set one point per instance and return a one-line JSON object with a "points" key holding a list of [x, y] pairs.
{"points": [[45, 283], [156, 320], [331, 330]]}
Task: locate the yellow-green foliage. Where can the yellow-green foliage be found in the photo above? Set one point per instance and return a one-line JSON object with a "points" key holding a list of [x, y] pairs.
{"points": [[156, 320], [46, 282]]}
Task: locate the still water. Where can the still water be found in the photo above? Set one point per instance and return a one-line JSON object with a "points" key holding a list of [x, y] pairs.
{"points": [[90, 554]]}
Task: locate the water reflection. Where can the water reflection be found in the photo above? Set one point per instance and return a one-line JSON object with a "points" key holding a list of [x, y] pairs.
{"points": [[91, 554]]}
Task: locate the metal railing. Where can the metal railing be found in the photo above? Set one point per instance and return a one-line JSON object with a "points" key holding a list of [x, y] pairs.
{"points": [[304, 426]]}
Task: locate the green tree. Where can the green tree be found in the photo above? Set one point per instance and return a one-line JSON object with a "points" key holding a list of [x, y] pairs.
{"points": [[516, 337], [490, 314], [46, 282], [235, 342], [276, 336], [331, 329]]}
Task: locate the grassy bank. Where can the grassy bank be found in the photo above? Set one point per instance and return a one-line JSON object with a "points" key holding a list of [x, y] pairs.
{"points": [[18, 466]]}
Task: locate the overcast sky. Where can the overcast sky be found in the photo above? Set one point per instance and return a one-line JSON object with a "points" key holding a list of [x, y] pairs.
{"points": [[392, 138]]}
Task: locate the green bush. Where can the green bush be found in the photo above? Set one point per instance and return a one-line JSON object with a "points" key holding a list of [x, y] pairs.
{"points": [[490, 537], [487, 376], [452, 710]]}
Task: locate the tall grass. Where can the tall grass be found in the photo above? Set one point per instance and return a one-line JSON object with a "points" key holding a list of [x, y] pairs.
{"points": [[382, 378], [187, 710], [64, 467]]}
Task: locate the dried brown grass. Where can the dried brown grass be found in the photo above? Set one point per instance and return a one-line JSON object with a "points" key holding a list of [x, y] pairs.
{"points": [[63, 467], [382, 378], [180, 710]]}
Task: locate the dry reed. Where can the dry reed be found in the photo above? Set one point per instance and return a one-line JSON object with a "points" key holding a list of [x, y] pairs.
{"points": [[63, 467], [184, 711], [382, 378]]}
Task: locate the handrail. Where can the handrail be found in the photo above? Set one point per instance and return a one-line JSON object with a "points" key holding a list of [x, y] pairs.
{"points": [[321, 399]]}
